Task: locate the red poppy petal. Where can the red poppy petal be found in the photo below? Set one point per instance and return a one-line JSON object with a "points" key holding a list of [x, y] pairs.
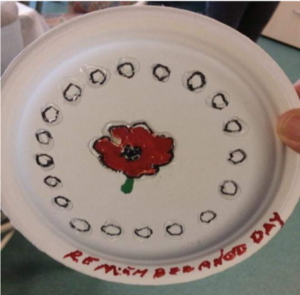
{"points": [[138, 169], [104, 145], [163, 144], [159, 152], [120, 132]]}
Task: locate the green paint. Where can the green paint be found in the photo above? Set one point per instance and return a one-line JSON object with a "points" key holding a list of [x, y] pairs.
{"points": [[127, 187]]}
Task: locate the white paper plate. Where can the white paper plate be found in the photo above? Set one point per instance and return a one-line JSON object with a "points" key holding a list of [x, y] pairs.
{"points": [[198, 108]]}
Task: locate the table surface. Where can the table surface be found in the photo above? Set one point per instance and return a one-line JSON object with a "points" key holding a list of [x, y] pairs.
{"points": [[273, 270]]}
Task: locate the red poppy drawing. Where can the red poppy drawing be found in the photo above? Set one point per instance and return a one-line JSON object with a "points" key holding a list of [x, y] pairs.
{"points": [[135, 151]]}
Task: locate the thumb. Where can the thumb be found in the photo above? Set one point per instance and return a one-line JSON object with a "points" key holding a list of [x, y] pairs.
{"points": [[297, 87], [288, 128]]}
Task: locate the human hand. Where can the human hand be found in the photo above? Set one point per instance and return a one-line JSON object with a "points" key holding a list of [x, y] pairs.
{"points": [[288, 126]]}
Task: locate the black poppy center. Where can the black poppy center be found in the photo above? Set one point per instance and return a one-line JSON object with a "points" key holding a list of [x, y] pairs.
{"points": [[131, 153]]}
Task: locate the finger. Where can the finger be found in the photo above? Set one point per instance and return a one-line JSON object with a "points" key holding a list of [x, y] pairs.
{"points": [[288, 128], [297, 87]]}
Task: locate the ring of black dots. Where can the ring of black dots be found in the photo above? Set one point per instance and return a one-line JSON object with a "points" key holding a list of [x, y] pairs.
{"points": [[122, 65], [104, 77], [50, 160], [165, 69]]}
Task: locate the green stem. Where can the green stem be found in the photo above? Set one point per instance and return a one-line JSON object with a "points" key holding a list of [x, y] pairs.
{"points": [[127, 187]]}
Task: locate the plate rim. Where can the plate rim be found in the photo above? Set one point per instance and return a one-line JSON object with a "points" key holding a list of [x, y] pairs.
{"points": [[282, 79]]}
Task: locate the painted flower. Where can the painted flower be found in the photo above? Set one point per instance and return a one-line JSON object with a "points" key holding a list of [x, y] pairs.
{"points": [[135, 151]]}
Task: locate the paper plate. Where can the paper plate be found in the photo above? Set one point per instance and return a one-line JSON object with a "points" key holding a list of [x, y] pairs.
{"points": [[139, 146]]}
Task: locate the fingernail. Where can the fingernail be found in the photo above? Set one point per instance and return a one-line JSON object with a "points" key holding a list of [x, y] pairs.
{"points": [[290, 128]]}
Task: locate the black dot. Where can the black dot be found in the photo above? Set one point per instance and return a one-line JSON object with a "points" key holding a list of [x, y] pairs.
{"points": [[62, 201], [217, 105], [170, 229], [75, 96], [111, 230], [229, 126], [144, 232], [223, 188], [83, 222], [242, 154], [44, 160], [161, 77], [120, 69], [52, 181], [189, 82], [48, 117], [97, 81], [40, 136], [208, 216]]}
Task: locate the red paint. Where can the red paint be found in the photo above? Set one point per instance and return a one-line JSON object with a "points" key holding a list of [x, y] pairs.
{"points": [[116, 151], [268, 227], [187, 269], [130, 267], [174, 270], [205, 264], [108, 268], [89, 260], [159, 272], [277, 218], [74, 255], [126, 271], [229, 256], [218, 261], [140, 272], [240, 249], [257, 236]]}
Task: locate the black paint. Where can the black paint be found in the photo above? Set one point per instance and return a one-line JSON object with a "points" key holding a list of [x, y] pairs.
{"points": [[96, 81], [83, 221], [238, 124], [139, 230], [131, 153], [223, 187], [225, 101], [44, 114], [169, 227], [76, 96], [211, 213], [48, 179], [231, 156], [38, 136], [49, 160], [64, 205], [189, 83], [120, 67], [104, 230], [163, 77]]}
